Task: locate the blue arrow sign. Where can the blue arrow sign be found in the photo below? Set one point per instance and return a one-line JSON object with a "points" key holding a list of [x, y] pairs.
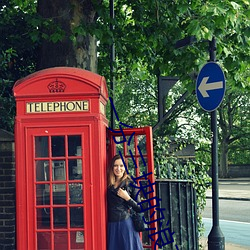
{"points": [[210, 86]]}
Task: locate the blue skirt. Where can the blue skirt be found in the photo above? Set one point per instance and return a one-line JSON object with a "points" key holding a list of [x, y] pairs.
{"points": [[122, 236]]}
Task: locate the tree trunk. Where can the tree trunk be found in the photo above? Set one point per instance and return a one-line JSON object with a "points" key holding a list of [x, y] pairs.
{"points": [[223, 166], [75, 49]]}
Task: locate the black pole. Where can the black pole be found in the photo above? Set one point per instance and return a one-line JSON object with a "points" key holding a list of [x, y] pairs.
{"points": [[216, 238], [112, 61], [212, 50], [160, 108]]}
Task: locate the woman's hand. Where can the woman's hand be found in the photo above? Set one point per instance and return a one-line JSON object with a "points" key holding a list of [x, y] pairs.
{"points": [[123, 194]]}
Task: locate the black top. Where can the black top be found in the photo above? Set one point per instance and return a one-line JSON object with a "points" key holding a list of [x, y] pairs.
{"points": [[118, 208]]}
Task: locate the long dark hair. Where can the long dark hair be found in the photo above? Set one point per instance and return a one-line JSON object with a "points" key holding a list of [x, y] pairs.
{"points": [[111, 175]]}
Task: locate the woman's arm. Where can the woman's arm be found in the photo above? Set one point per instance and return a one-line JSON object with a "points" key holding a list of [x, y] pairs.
{"points": [[130, 199]]}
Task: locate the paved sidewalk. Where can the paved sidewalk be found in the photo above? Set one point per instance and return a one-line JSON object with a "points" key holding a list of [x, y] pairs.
{"points": [[230, 194], [228, 246]]}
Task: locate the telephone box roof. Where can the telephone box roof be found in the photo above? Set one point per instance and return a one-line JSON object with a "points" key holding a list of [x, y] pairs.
{"points": [[87, 82]]}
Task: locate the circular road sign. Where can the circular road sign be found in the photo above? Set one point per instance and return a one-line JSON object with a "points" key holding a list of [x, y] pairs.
{"points": [[210, 86]]}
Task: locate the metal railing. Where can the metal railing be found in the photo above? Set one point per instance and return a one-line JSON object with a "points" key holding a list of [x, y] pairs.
{"points": [[178, 197]]}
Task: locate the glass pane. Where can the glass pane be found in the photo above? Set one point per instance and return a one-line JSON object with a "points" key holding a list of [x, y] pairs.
{"points": [[40, 194], [131, 167], [119, 144], [131, 147], [42, 170], [75, 169], [61, 240], [60, 217], [76, 216], [46, 195], [43, 241], [142, 143], [77, 240], [75, 193], [143, 163], [59, 194], [74, 145], [43, 218], [41, 146], [58, 170], [58, 146]]}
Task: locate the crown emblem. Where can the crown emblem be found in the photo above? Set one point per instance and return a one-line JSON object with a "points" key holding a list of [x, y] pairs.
{"points": [[56, 86]]}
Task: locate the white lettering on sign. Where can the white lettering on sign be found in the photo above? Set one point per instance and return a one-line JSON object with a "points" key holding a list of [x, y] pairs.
{"points": [[49, 107]]}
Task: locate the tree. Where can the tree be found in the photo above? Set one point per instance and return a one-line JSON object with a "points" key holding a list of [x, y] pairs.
{"points": [[145, 34], [203, 20], [157, 25], [234, 119], [17, 54], [69, 39], [155, 28]]}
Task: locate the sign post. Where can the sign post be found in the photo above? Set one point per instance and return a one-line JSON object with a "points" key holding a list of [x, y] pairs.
{"points": [[210, 90]]}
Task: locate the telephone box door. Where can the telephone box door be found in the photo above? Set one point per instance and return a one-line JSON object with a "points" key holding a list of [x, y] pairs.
{"points": [[135, 146], [58, 182]]}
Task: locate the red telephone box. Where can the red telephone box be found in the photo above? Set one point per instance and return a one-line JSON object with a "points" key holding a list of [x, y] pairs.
{"points": [[61, 160], [60, 137]]}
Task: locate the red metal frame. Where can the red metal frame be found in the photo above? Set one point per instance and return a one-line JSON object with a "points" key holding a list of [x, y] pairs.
{"points": [[146, 133]]}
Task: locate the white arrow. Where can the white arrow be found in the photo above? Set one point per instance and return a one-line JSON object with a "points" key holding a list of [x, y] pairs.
{"points": [[204, 86]]}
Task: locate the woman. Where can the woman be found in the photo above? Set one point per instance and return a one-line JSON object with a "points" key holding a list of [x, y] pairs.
{"points": [[121, 197]]}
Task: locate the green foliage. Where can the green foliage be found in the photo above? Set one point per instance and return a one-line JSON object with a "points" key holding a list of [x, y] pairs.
{"points": [[234, 117], [194, 170], [136, 91], [147, 32], [145, 36], [7, 107], [15, 29], [6, 99], [17, 55]]}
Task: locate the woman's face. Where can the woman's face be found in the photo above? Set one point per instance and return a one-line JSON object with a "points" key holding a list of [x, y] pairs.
{"points": [[118, 169]]}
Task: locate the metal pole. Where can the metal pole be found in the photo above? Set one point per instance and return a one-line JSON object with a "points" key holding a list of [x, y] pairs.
{"points": [[160, 109], [112, 60], [216, 238]]}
